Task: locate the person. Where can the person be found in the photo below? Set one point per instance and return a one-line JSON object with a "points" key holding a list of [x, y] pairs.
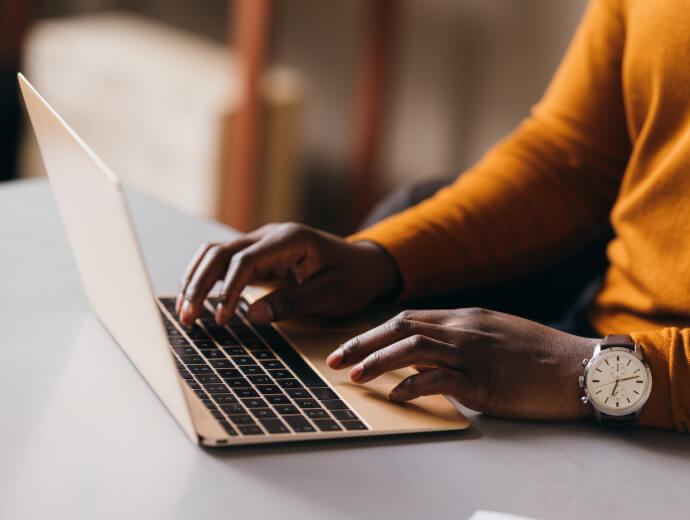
{"points": [[608, 142]]}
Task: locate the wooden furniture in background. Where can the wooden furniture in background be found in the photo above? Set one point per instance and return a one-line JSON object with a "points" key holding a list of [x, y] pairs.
{"points": [[250, 21]]}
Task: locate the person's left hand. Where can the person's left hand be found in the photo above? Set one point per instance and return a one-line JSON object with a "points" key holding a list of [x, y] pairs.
{"points": [[491, 362]]}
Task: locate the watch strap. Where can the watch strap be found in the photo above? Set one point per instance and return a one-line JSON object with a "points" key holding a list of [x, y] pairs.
{"points": [[618, 340], [631, 418]]}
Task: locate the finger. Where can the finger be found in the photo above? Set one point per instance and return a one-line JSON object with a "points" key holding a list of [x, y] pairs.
{"points": [[361, 346], [437, 316], [209, 271], [193, 264], [438, 381], [311, 298], [277, 250], [403, 353]]}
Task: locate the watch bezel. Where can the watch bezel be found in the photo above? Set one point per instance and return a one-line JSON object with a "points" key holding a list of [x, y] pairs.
{"points": [[598, 352]]}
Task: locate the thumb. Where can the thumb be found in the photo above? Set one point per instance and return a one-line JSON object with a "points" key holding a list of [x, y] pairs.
{"points": [[291, 302]]}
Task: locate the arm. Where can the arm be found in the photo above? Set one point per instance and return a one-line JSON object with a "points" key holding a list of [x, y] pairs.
{"points": [[540, 193]]}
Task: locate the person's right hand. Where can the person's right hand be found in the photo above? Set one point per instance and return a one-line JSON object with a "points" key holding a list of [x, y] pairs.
{"points": [[316, 272]]}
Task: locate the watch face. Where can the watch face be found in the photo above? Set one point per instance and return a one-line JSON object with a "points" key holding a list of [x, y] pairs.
{"points": [[617, 382]]}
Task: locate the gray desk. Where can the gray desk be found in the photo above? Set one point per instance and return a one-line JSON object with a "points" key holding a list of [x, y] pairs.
{"points": [[83, 436]]}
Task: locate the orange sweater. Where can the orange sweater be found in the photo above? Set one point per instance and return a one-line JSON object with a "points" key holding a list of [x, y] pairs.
{"points": [[609, 139]]}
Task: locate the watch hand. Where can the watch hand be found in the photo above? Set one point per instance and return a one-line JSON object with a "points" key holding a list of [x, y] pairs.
{"points": [[613, 391]]}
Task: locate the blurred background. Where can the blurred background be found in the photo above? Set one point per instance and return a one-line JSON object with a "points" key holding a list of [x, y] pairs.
{"points": [[251, 111]]}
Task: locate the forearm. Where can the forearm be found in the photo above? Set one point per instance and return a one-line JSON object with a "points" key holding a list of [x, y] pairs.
{"points": [[545, 189]]}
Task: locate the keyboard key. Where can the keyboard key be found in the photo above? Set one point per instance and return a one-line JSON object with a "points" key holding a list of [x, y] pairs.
{"points": [[228, 428], [185, 374], [335, 404], [327, 425], [324, 393], [280, 374], [241, 419], [255, 346], [317, 413], [171, 330], [256, 402], [272, 364], [344, 415], [192, 360], [246, 392], [201, 394], [235, 351], [208, 378], [214, 354], [251, 430], [205, 344], [217, 414], [184, 350], [232, 408], [354, 425], [286, 409], [277, 399], [215, 388], [274, 426], [193, 384], [268, 389], [209, 404], [224, 398], [243, 360], [307, 403], [298, 423], [252, 370], [221, 363], [228, 373], [284, 350], [200, 369], [290, 383], [177, 341], [238, 382], [262, 413], [298, 392], [261, 380], [264, 354]]}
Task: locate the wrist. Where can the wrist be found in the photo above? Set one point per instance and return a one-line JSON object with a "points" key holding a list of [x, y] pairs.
{"points": [[384, 271]]}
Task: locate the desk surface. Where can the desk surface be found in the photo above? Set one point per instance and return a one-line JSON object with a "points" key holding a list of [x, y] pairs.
{"points": [[83, 436]]}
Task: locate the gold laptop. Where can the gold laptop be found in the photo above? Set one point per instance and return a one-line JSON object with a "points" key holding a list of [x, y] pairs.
{"points": [[225, 385]]}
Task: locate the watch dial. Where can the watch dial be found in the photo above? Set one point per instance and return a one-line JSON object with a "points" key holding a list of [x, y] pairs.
{"points": [[617, 381]]}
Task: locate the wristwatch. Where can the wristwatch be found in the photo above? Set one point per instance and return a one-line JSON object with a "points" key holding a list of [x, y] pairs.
{"points": [[617, 380]]}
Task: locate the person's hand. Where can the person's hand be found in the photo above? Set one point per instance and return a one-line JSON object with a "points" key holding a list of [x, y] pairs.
{"points": [[316, 272], [489, 361]]}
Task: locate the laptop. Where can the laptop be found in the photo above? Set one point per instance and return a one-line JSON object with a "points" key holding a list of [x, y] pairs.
{"points": [[237, 384]]}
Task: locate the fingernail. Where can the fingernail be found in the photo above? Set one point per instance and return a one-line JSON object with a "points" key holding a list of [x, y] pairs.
{"points": [[220, 311], [178, 303], [186, 311], [395, 394], [260, 312], [335, 358], [356, 372]]}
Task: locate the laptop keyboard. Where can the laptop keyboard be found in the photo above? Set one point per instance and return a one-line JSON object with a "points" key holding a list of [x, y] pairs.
{"points": [[251, 379]]}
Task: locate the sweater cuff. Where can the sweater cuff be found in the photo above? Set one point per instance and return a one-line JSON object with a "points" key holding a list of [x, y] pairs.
{"points": [[668, 405]]}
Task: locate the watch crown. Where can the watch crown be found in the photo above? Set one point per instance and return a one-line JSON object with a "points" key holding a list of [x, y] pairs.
{"points": [[581, 381], [584, 362], [585, 399]]}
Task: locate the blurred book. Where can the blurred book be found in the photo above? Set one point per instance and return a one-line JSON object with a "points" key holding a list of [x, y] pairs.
{"points": [[157, 103]]}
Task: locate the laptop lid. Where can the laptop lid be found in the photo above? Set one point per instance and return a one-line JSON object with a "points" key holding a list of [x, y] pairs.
{"points": [[97, 221]]}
